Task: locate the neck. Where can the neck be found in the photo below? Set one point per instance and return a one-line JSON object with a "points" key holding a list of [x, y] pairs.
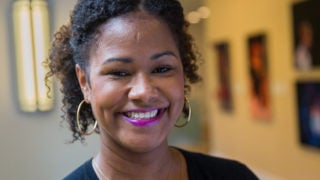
{"points": [[117, 162]]}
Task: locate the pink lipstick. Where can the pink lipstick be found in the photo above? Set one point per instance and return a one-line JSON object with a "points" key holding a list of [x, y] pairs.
{"points": [[143, 118]]}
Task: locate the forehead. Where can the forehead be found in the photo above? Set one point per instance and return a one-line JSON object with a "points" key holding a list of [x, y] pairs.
{"points": [[133, 30], [132, 19], [132, 25]]}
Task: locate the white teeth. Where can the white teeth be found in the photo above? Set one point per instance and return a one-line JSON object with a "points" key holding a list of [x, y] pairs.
{"points": [[142, 115]]}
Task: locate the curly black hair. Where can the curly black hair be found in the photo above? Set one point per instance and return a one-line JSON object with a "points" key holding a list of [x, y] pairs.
{"points": [[72, 41]]}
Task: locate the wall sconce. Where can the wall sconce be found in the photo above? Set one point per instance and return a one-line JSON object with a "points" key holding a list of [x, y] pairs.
{"points": [[196, 16], [31, 33]]}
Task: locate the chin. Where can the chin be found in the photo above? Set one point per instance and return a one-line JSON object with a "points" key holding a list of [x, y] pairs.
{"points": [[143, 147]]}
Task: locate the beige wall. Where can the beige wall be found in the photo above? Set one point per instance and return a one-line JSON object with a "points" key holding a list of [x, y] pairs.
{"points": [[271, 148], [33, 146]]}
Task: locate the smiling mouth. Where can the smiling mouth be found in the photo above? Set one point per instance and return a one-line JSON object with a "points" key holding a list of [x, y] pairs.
{"points": [[143, 118], [142, 115]]}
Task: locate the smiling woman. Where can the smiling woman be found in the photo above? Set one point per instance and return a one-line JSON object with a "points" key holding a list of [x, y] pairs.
{"points": [[132, 61], [130, 76]]}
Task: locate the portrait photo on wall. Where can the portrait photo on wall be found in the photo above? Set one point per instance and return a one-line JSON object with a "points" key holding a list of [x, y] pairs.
{"points": [[223, 65], [306, 31], [259, 77], [308, 97]]}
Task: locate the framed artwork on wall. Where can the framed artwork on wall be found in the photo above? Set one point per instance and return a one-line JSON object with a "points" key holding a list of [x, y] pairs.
{"points": [[308, 105], [306, 30], [223, 64], [259, 77]]}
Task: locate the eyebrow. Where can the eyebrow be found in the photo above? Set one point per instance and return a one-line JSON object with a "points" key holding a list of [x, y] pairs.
{"points": [[129, 60], [123, 60], [159, 55]]}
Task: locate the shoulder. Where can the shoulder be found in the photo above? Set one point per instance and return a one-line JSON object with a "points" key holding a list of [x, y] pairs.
{"points": [[84, 172], [201, 166]]}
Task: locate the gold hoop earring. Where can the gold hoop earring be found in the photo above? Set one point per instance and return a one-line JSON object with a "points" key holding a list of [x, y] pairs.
{"points": [[189, 115], [78, 121]]}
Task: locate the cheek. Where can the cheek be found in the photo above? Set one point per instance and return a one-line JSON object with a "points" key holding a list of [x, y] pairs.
{"points": [[176, 91], [104, 98]]}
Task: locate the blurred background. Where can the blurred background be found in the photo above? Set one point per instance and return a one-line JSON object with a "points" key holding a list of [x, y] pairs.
{"points": [[230, 119]]}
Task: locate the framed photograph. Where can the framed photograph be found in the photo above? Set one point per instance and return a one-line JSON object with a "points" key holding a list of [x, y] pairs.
{"points": [[306, 28], [223, 64], [259, 77], [308, 96]]}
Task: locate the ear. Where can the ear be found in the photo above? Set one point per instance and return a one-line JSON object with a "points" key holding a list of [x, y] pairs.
{"points": [[83, 82]]}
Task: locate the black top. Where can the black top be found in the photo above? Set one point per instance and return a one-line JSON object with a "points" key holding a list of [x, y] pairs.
{"points": [[200, 167]]}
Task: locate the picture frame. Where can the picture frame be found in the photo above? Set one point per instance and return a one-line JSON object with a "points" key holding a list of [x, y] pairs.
{"points": [[259, 77], [308, 108], [224, 76], [306, 28]]}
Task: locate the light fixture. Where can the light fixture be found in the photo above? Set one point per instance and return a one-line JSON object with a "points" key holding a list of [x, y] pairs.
{"points": [[193, 17], [196, 16], [31, 33], [204, 12]]}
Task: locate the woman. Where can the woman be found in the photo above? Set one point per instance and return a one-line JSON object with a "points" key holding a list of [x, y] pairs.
{"points": [[125, 66]]}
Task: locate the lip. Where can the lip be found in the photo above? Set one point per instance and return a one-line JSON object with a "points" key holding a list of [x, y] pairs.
{"points": [[145, 122]]}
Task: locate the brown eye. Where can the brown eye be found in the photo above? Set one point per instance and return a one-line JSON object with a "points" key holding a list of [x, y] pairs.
{"points": [[119, 73], [162, 69], [116, 72]]}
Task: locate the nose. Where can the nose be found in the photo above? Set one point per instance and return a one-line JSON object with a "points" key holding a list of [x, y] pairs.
{"points": [[143, 89]]}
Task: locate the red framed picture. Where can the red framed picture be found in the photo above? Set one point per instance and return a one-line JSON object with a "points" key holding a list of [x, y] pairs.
{"points": [[259, 77], [223, 64]]}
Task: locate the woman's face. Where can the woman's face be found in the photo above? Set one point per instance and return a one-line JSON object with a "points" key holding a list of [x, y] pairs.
{"points": [[136, 86]]}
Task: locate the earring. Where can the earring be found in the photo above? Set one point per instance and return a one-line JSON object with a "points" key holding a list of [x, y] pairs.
{"points": [[78, 121], [189, 115]]}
